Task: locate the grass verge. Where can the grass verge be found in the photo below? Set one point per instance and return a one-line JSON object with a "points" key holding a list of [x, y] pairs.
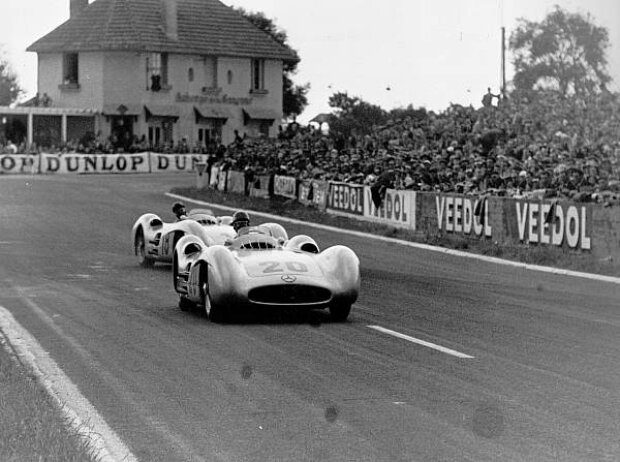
{"points": [[33, 428], [542, 255]]}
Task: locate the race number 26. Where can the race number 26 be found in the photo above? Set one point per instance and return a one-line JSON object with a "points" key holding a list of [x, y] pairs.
{"points": [[281, 267]]}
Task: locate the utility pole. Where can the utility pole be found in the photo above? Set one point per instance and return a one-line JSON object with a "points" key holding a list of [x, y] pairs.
{"points": [[503, 86]]}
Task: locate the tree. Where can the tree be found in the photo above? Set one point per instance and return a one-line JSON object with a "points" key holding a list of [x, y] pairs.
{"points": [[294, 96], [565, 52], [353, 115], [9, 88]]}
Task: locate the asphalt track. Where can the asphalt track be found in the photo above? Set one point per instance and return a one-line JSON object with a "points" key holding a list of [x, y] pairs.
{"points": [[539, 379]]}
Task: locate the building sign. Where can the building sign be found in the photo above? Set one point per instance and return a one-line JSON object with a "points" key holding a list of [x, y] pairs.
{"points": [[94, 163], [397, 208], [285, 186], [19, 163], [463, 215], [552, 223], [346, 198], [213, 99]]}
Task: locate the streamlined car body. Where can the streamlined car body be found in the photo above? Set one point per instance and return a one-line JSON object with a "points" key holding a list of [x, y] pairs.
{"points": [[154, 241], [264, 269]]}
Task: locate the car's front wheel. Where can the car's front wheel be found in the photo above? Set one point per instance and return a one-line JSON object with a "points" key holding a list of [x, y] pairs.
{"points": [[213, 311], [143, 259], [340, 311]]}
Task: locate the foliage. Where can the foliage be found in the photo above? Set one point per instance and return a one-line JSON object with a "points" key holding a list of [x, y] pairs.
{"points": [[408, 112], [354, 115], [9, 87], [564, 52], [294, 96]]}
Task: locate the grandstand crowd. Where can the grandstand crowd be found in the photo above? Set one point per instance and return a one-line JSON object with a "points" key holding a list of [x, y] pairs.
{"points": [[528, 145]]}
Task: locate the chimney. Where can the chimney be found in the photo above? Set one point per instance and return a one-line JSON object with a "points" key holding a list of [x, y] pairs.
{"points": [[169, 8], [76, 7]]}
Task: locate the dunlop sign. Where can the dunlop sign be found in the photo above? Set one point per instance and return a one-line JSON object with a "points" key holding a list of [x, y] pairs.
{"points": [[175, 162], [94, 163], [455, 214], [568, 224], [346, 198], [19, 163], [397, 209]]}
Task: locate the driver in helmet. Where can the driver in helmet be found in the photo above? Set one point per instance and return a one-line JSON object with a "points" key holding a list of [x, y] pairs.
{"points": [[178, 208], [241, 222]]}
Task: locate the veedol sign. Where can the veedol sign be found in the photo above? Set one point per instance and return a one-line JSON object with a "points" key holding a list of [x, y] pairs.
{"points": [[397, 208], [546, 223], [456, 214], [347, 198]]}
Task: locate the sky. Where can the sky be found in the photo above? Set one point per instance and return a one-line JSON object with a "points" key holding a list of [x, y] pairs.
{"points": [[391, 53]]}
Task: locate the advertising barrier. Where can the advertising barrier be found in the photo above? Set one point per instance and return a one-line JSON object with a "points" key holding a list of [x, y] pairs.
{"points": [[345, 199], [94, 163], [560, 224], [285, 186], [161, 163], [313, 193], [397, 209], [260, 187], [19, 163], [221, 180], [463, 214], [236, 182], [143, 162]]}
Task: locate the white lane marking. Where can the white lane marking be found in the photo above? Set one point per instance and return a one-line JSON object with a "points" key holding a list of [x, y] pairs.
{"points": [[448, 351], [417, 245], [80, 414]]}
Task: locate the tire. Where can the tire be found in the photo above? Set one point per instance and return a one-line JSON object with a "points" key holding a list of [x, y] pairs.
{"points": [[143, 259], [212, 311], [185, 304], [340, 312]]}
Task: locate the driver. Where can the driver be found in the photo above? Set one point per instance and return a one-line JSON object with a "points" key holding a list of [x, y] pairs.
{"points": [[178, 208], [241, 222]]}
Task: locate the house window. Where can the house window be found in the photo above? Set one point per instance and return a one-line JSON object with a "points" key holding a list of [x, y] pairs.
{"points": [[156, 71], [229, 77], [190, 74], [70, 69], [210, 72], [258, 74], [154, 136], [211, 133]]}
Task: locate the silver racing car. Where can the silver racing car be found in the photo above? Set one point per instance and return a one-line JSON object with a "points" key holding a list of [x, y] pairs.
{"points": [[154, 241], [264, 268]]}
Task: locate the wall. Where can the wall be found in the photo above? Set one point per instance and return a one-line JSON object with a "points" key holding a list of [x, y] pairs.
{"points": [[90, 76], [114, 78]]}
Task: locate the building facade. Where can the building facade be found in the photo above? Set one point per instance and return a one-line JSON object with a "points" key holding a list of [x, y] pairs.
{"points": [[164, 70]]}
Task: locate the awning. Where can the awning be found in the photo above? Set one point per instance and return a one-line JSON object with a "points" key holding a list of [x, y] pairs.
{"points": [[260, 114], [209, 112], [321, 118], [122, 109], [154, 110]]}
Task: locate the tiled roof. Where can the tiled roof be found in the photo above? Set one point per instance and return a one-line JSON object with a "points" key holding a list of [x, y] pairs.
{"points": [[204, 27]]}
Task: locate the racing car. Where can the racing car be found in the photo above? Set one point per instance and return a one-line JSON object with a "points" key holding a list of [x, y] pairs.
{"points": [[263, 268], [154, 241]]}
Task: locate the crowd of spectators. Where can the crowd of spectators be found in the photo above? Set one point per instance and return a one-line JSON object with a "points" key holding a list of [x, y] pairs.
{"points": [[536, 145], [529, 145]]}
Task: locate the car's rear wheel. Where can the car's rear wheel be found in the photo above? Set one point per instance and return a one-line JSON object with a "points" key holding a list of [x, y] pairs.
{"points": [[340, 311], [143, 259]]}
